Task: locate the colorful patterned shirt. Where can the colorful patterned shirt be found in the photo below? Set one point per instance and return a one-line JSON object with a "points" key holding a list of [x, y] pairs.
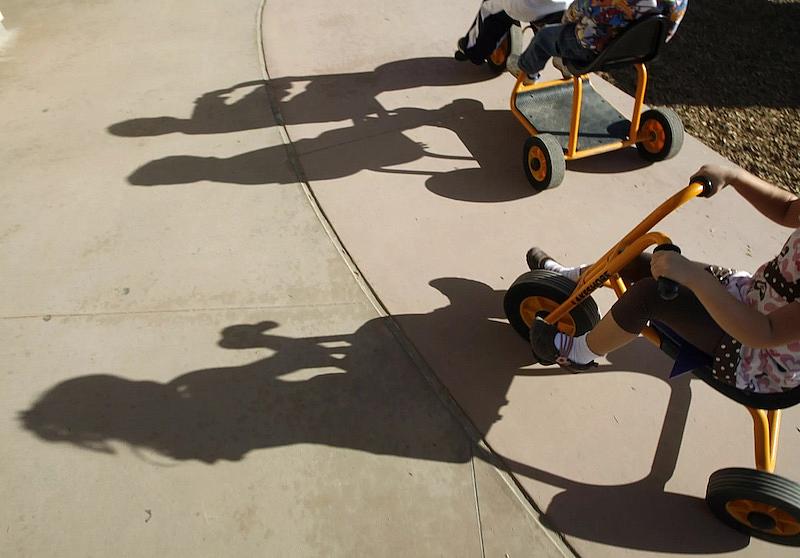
{"points": [[597, 22], [778, 368]]}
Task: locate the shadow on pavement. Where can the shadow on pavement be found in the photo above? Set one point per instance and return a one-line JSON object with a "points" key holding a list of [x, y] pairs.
{"points": [[614, 162], [344, 391], [372, 138], [486, 354], [347, 390], [643, 514]]}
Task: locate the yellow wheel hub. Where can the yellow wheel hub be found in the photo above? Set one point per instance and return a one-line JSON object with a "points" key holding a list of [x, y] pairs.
{"points": [[655, 138], [533, 305], [537, 163], [498, 56], [764, 517]]}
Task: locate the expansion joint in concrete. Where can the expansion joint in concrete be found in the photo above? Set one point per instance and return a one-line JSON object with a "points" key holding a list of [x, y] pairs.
{"points": [[405, 343]]}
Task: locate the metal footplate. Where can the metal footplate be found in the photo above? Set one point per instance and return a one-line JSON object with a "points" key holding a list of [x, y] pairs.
{"points": [[549, 110]]}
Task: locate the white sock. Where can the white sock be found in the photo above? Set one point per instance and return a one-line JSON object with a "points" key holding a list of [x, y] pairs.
{"points": [[579, 352], [568, 272]]}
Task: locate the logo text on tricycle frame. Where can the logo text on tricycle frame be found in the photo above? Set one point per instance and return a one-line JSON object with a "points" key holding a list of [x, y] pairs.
{"points": [[591, 288]]}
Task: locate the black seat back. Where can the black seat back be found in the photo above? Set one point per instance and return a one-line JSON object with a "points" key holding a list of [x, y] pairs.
{"points": [[639, 43], [766, 401], [549, 19]]}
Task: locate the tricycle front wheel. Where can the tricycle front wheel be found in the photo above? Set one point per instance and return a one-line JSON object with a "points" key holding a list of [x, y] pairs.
{"points": [[539, 292], [544, 163]]}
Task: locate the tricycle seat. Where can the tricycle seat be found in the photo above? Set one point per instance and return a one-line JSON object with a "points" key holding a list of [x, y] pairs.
{"points": [[677, 348], [639, 43]]}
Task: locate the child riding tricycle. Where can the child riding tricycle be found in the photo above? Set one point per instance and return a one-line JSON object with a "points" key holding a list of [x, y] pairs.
{"points": [[567, 118], [739, 333]]}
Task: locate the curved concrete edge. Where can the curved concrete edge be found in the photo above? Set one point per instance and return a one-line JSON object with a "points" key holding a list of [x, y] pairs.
{"points": [[487, 267], [490, 456]]}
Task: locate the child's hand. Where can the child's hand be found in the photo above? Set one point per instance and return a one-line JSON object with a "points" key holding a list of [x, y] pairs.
{"points": [[718, 175], [673, 266]]}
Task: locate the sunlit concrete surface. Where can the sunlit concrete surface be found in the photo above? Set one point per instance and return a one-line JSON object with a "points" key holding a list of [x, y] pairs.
{"points": [[194, 369], [417, 162]]}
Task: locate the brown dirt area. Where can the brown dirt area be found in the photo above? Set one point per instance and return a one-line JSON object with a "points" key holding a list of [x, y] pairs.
{"points": [[731, 74]]}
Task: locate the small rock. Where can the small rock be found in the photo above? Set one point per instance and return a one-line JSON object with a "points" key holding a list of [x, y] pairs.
{"points": [[47, 318]]}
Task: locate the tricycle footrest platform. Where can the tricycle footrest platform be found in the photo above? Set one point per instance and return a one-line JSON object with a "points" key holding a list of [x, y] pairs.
{"points": [[549, 110]]}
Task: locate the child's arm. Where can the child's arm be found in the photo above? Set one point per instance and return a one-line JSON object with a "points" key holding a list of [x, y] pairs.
{"points": [[743, 322], [776, 204]]}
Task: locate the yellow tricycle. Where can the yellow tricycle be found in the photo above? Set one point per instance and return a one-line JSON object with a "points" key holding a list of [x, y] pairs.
{"points": [[755, 501], [568, 119]]}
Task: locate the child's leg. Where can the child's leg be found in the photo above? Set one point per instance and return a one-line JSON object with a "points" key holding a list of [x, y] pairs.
{"points": [[542, 47], [627, 318], [553, 40], [685, 315], [490, 25], [607, 336], [636, 270], [570, 48]]}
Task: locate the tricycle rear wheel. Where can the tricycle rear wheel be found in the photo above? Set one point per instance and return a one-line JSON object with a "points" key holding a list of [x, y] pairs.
{"points": [[661, 134], [758, 503]]}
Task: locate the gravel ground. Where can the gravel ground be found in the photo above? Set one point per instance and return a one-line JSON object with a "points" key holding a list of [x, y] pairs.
{"points": [[731, 74]]}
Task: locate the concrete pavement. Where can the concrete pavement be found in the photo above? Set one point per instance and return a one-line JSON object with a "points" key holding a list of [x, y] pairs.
{"points": [[416, 161], [194, 366], [196, 370]]}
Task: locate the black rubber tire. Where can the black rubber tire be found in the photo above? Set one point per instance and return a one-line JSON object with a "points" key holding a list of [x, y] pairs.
{"points": [[728, 485], [551, 160], [671, 124], [554, 287]]}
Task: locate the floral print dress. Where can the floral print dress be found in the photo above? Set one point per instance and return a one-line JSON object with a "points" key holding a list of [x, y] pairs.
{"points": [[774, 284]]}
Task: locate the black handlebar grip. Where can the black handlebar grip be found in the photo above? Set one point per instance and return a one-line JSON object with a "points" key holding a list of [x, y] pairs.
{"points": [[667, 288], [708, 188]]}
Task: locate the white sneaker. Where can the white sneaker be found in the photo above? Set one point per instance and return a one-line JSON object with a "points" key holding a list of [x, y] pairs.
{"points": [[512, 64], [530, 80]]}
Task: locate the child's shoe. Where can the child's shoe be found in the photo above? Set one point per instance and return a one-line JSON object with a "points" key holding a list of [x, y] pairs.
{"points": [[512, 65], [543, 346], [530, 79], [461, 47], [536, 258], [461, 53]]}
